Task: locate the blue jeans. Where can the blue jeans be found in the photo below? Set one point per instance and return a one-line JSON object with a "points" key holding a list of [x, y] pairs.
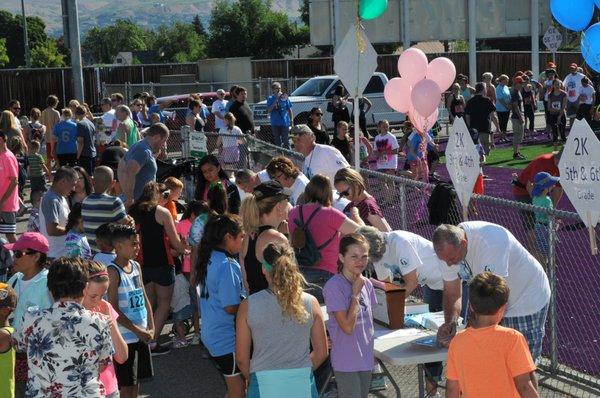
{"points": [[281, 136], [316, 279]]}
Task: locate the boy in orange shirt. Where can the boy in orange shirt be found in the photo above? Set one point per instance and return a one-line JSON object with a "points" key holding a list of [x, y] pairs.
{"points": [[488, 359]]}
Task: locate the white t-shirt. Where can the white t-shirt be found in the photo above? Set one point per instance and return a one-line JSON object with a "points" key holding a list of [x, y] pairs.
{"points": [[219, 106], [109, 120], [324, 159], [493, 248], [229, 139], [406, 252], [298, 188], [586, 94], [263, 176], [383, 143], [572, 86], [56, 208]]}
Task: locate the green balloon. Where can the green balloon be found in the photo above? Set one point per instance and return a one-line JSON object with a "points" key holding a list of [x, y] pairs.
{"points": [[371, 9]]}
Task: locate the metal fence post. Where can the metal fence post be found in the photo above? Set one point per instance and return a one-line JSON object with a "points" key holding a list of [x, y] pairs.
{"points": [[403, 221], [552, 308]]}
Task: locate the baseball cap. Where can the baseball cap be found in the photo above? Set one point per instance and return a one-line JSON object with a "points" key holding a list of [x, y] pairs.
{"points": [[270, 189], [300, 129], [8, 297], [541, 181], [30, 240], [573, 66]]}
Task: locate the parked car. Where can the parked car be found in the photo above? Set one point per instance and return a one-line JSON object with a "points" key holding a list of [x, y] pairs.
{"points": [[318, 91], [179, 105]]}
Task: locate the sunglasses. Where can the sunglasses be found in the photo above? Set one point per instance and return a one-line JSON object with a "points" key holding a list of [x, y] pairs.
{"points": [[345, 193], [20, 253]]}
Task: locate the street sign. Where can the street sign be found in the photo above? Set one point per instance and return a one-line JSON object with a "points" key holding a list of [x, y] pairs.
{"points": [[552, 39], [579, 169], [355, 61], [462, 162], [198, 147]]}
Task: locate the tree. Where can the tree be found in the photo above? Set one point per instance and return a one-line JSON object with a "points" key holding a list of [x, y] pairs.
{"points": [[104, 43], [11, 29], [199, 27], [305, 12], [46, 55], [251, 28], [4, 60], [179, 43]]}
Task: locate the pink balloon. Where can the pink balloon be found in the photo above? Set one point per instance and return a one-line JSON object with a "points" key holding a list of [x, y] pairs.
{"points": [[412, 65], [421, 123], [397, 94], [426, 96], [442, 71]]}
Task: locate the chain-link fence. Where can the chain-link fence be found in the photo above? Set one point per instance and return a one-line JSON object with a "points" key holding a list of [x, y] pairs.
{"points": [[571, 354]]}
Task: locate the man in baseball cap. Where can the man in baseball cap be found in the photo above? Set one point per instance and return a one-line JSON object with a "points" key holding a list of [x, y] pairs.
{"points": [[572, 83]]}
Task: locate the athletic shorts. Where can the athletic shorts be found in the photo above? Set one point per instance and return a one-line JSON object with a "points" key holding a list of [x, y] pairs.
{"points": [[138, 365], [163, 276], [572, 109], [227, 365], [8, 222]]}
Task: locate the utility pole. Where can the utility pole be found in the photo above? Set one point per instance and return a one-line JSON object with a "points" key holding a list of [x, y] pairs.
{"points": [[75, 46], [25, 36]]}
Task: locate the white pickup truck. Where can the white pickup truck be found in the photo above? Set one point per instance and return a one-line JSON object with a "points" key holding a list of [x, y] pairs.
{"points": [[318, 91]]}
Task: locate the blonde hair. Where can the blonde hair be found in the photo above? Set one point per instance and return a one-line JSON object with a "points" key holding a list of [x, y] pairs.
{"points": [[94, 269], [230, 118], [252, 209], [287, 283], [352, 178], [66, 113], [7, 121], [173, 183]]}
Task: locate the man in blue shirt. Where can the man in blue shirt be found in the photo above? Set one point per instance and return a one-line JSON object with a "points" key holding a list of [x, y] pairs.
{"points": [[65, 139], [280, 110], [86, 135], [138, 167]]}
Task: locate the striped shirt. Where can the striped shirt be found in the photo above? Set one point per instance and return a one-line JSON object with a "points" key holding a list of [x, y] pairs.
{"points": [[131, 299], [98, 209], [35, 165]]}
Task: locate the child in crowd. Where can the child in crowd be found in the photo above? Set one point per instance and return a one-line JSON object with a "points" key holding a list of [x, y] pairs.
{"points": [[544, 183], [127, 295], [341, 140], [106, 255], [350, 299], [386, 149], [76, 242], [221, 292], [37, 167], [93, 301], [33, 223], [175, 187], [488, 359], [181, 307], [8, 302], [201, 215], [229, 143], [417, 157]]}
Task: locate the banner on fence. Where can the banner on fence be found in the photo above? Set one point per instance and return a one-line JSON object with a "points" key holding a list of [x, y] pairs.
{"points": [[462, 162], [580, 175], [198, 147]]}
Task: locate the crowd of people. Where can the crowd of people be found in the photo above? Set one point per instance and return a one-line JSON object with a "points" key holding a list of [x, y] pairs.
{"points": [[111, 254]]}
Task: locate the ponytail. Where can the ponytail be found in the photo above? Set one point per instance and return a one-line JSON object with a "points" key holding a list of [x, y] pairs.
{"points": [[250, 214]]}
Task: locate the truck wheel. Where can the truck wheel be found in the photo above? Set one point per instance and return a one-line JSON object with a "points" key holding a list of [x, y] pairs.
{"points": [[302, 118]]}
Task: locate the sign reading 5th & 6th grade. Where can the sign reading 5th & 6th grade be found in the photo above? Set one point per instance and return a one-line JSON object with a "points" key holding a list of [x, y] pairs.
{"points": [[579, 168]]}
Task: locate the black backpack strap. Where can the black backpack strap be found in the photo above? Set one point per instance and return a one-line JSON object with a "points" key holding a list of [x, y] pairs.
{"points": [[327, 242], [309, 218]]}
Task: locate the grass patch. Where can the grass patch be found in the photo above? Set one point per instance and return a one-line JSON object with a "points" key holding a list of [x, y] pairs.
{"points": [[502, 157]]}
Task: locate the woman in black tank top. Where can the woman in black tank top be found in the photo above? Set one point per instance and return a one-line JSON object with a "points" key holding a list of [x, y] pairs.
{"points": [[262, 213]]}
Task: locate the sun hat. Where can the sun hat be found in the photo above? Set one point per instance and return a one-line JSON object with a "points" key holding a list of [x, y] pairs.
{"points": [[541, 181], [30, 240]]}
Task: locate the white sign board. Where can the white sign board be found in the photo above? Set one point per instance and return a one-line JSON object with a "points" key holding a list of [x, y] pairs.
{"points": [[462, 162], [198, 147], [579, 169], [355, 61], [552, 39]]}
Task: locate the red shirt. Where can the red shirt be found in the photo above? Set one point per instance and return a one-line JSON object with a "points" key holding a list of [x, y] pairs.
{"points": [[543, 162]]}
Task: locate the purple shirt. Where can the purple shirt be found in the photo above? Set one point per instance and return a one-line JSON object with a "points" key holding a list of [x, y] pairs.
{"points": [[350, 352], [365, 208]]}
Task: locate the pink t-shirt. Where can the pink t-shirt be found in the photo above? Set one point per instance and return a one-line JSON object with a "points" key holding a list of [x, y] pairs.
{"points": [[108, 377], [322, 227], [9, 169], [183, 229]]}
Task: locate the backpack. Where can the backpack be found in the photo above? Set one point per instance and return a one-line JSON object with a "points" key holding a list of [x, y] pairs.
{"points": [[35, 133], [442, 205], [306, 250]]}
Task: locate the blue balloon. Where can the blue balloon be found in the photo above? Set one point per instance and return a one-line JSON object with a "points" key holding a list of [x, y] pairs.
{"points": [[597, 3], [590, 46], [573, 14]]}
